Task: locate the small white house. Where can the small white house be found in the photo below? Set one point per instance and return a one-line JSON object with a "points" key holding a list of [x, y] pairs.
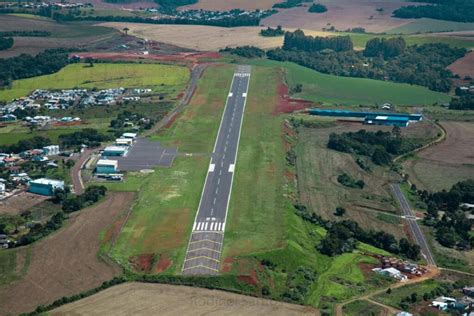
{"points": [[129, 135], [51, 150], [442, 302], [391, 272], [124, 142]]}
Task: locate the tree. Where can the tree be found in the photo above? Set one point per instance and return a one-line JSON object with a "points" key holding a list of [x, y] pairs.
{"points": [[340, 211], [389, 291], [397, 131], [381, 157], [125, 30]]}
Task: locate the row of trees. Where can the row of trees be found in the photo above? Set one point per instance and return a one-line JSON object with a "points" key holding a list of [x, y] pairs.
{"points": [[88, 136], [465, 102], [342, 237], [272, 32], [380, 146], [245, 51], [348, 181], [26, 33], [5, 42], [26, 66], [298, 41], [452, 10]]}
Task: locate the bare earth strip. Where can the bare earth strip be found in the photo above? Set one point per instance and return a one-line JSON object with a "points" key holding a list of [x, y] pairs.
{"points": [[463, 66], [201, 37], [66, 262], [161, 299]]}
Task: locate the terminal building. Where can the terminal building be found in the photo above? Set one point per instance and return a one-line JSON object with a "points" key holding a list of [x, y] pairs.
{"points": [[45, 186]]}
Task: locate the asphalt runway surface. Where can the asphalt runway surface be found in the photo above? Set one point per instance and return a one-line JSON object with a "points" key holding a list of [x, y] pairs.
{"points": [[146, 154], [410, 217], [205, 245]]}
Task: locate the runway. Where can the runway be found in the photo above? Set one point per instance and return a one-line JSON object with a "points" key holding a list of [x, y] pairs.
{"points": [[205, 244], [415, 229]]}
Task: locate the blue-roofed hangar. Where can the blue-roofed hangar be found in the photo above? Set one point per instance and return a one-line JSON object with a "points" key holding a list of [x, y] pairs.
{"points": [[373, 118]]}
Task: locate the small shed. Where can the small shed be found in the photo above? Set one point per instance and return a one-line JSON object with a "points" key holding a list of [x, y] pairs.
{"points": [[129, 135], [124, 142]]}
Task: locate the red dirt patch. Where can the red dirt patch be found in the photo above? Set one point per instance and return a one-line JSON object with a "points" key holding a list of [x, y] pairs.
{"points": [[171, 121], [143, 262], [366, 269], [251, 279], [178, 57], [287, 104], [164, 263], [227, 265], [463, 66]]}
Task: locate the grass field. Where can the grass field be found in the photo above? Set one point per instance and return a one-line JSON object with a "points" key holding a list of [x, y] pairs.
{"points": [[161, 78], [362, 307], [13, 264], [429, 25], [331, 89], [262, 223], [394, 298], [163, 214]]}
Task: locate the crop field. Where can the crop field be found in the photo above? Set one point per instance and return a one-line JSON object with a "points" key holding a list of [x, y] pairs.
{"points": [[69, 254], [62, 34], [463, 66], [429, 26], [342, 14], [176, 300], [211, 38], [161, 78], [329, 89], [169, 198], [441, 166]]}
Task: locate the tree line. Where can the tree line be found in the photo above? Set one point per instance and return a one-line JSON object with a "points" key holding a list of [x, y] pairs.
{"points": [[5, 42], [342, 237], [26, 66], [452, 10], [379, 146], [26, 33], [317, 8], [272, 32], [290, 4], [465, 102]]}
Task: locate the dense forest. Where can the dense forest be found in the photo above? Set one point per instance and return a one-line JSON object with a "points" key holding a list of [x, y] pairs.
{"points": [[382, 59], [290, 4], [298, 41], [380, 146], [451, 10], [317, 8], [245, 51], [453, 228], [26, 66], [5, 42]]}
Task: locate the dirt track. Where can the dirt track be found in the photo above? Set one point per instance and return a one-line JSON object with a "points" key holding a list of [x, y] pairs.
{"points": [[66, 262], [161, 299]]}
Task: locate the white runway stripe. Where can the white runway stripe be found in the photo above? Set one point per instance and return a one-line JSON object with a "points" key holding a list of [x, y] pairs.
{"points": [[212, 226], [205, 226]]}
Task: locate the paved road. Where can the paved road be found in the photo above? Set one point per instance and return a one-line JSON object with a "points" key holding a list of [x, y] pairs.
{"points": [[205, 245], [411, 219]]}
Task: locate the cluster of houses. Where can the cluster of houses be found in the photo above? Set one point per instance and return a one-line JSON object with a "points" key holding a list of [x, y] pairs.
{"points": [[462, 306], [42, 5], [399, 269], [63, 99], [205, 15], [12, 163]]}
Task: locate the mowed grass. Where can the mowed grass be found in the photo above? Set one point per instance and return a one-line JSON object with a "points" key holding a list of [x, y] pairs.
{"points": [[256, 218], [162, 217], [330, 89], [160, 78]]}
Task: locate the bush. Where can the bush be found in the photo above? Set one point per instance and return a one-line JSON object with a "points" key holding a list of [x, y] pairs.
{"points": [[317, 8]]}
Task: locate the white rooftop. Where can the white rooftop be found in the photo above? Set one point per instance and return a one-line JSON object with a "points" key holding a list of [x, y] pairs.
{"points": [[54, 183], [115, 148], [105, 162], [380, 117]]}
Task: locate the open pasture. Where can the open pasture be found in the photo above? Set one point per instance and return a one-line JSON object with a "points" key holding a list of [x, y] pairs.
{"points": [[161, 78]]}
